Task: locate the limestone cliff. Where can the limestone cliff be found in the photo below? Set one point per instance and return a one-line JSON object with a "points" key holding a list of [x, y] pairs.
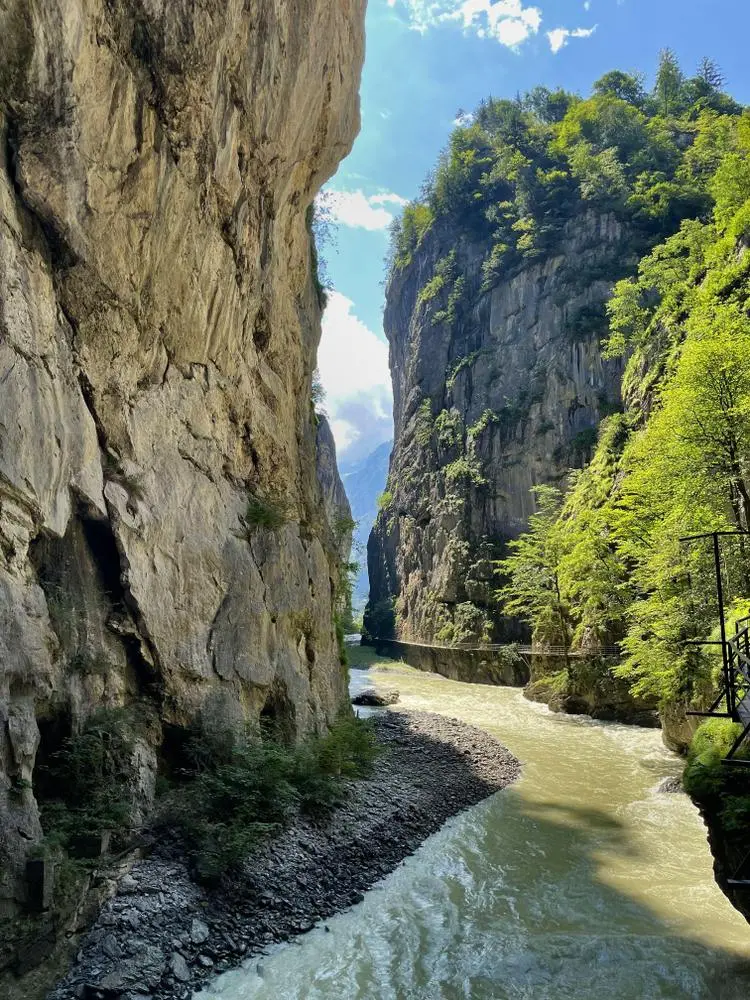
{"points": [[159, 318], [496, 390]]}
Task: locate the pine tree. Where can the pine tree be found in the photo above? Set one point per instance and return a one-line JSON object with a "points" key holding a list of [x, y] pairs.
{"points": [[669, 82], [710, 75]]}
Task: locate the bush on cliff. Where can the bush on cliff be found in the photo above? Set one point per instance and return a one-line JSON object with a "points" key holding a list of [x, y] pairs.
{"points": [[266, 510], [721, 790], [705, 775], [86, 789]]}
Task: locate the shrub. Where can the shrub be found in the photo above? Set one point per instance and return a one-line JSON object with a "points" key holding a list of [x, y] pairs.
{"points": [[487, 418], [380, 620], [448, 427], [385, 500], [424, 423], [239, 790], [705, 775], [465, 469], [458, 367], [266, 510], [91, 775], [338, 627]]}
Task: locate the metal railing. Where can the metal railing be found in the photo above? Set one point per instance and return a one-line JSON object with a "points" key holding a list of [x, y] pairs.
{"points": [[737, 681]]}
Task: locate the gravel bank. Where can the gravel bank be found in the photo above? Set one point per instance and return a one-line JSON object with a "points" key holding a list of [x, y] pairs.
{"points": [[162, 936]]}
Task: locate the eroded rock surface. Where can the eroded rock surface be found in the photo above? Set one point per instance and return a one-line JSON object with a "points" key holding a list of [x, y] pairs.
{"points": [[159, 320]]}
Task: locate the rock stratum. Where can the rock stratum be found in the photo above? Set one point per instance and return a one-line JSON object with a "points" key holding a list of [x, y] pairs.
{"points": [[159, 319]]}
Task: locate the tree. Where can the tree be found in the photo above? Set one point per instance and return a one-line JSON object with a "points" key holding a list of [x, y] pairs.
{"points": [[532, 591], [624, 86], [669, 82], [710, 75], [549, 105]]}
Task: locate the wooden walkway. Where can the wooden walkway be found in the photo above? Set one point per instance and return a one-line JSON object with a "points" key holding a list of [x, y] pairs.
{"points": [[608, 651]]}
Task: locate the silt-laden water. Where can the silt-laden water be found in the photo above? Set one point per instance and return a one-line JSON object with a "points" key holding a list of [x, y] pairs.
{"points": [[580, 882]]}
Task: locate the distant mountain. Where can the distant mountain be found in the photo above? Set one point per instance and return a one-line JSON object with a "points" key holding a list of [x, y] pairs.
{"points": [[364, 481]]}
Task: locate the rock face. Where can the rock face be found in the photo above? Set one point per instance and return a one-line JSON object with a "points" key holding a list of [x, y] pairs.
{"points": [[159, 318], [496, 390], [364, 482], [335, 502]]}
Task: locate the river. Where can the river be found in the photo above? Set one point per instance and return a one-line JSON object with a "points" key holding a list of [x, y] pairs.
{"points": [[580, 882]]}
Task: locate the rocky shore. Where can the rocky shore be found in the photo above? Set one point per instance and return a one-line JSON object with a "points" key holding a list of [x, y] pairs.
{"points": [[162, 936]]}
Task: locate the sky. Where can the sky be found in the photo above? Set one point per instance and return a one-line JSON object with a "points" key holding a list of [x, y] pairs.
{"points": [[427, 60]]}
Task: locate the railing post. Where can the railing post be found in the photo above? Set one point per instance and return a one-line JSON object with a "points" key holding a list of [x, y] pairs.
{"points": [[728, 680]]}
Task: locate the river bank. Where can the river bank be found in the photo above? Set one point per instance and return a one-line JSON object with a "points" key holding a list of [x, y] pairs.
{"points": [[162, 935]]}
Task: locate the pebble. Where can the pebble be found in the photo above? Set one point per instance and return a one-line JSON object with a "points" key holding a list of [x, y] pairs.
{"points": [[198, 931], [179, 967]]}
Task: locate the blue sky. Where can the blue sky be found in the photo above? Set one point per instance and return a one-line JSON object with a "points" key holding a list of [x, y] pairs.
{"points": [[426, 59]]}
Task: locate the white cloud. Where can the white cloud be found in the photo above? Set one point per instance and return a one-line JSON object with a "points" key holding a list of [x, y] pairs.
{"points": [[355, 208], [507, 21], [558, 37], [353, 366]]}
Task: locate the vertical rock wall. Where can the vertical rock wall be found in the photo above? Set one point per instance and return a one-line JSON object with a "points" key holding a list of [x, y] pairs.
{"points": [[496, 390], [159, 320]]}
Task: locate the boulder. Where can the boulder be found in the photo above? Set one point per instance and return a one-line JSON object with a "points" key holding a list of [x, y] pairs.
{"points": [[376, 698]]}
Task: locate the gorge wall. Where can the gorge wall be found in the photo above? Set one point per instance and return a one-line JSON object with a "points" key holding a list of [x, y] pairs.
{"points": [[159, 319], [528, 351], [496, 390]]}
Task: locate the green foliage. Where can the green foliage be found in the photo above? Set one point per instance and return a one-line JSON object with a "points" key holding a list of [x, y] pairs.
{"points": [[340, 632], [462, 364], [670, 83], [583, 444], [266, 510], [677, 462], [623, 86], [486, 420], [449, 428], [236, 791], [468, 623], [407, 233], [380, 620], [445, 274], [705, 775], [532, 589], [465, 469], [450, 313], [319, 227], [513, 176], [89, 779], [424, 423], [431, 289], [587, 321], [385, 500], [317, 392]]}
